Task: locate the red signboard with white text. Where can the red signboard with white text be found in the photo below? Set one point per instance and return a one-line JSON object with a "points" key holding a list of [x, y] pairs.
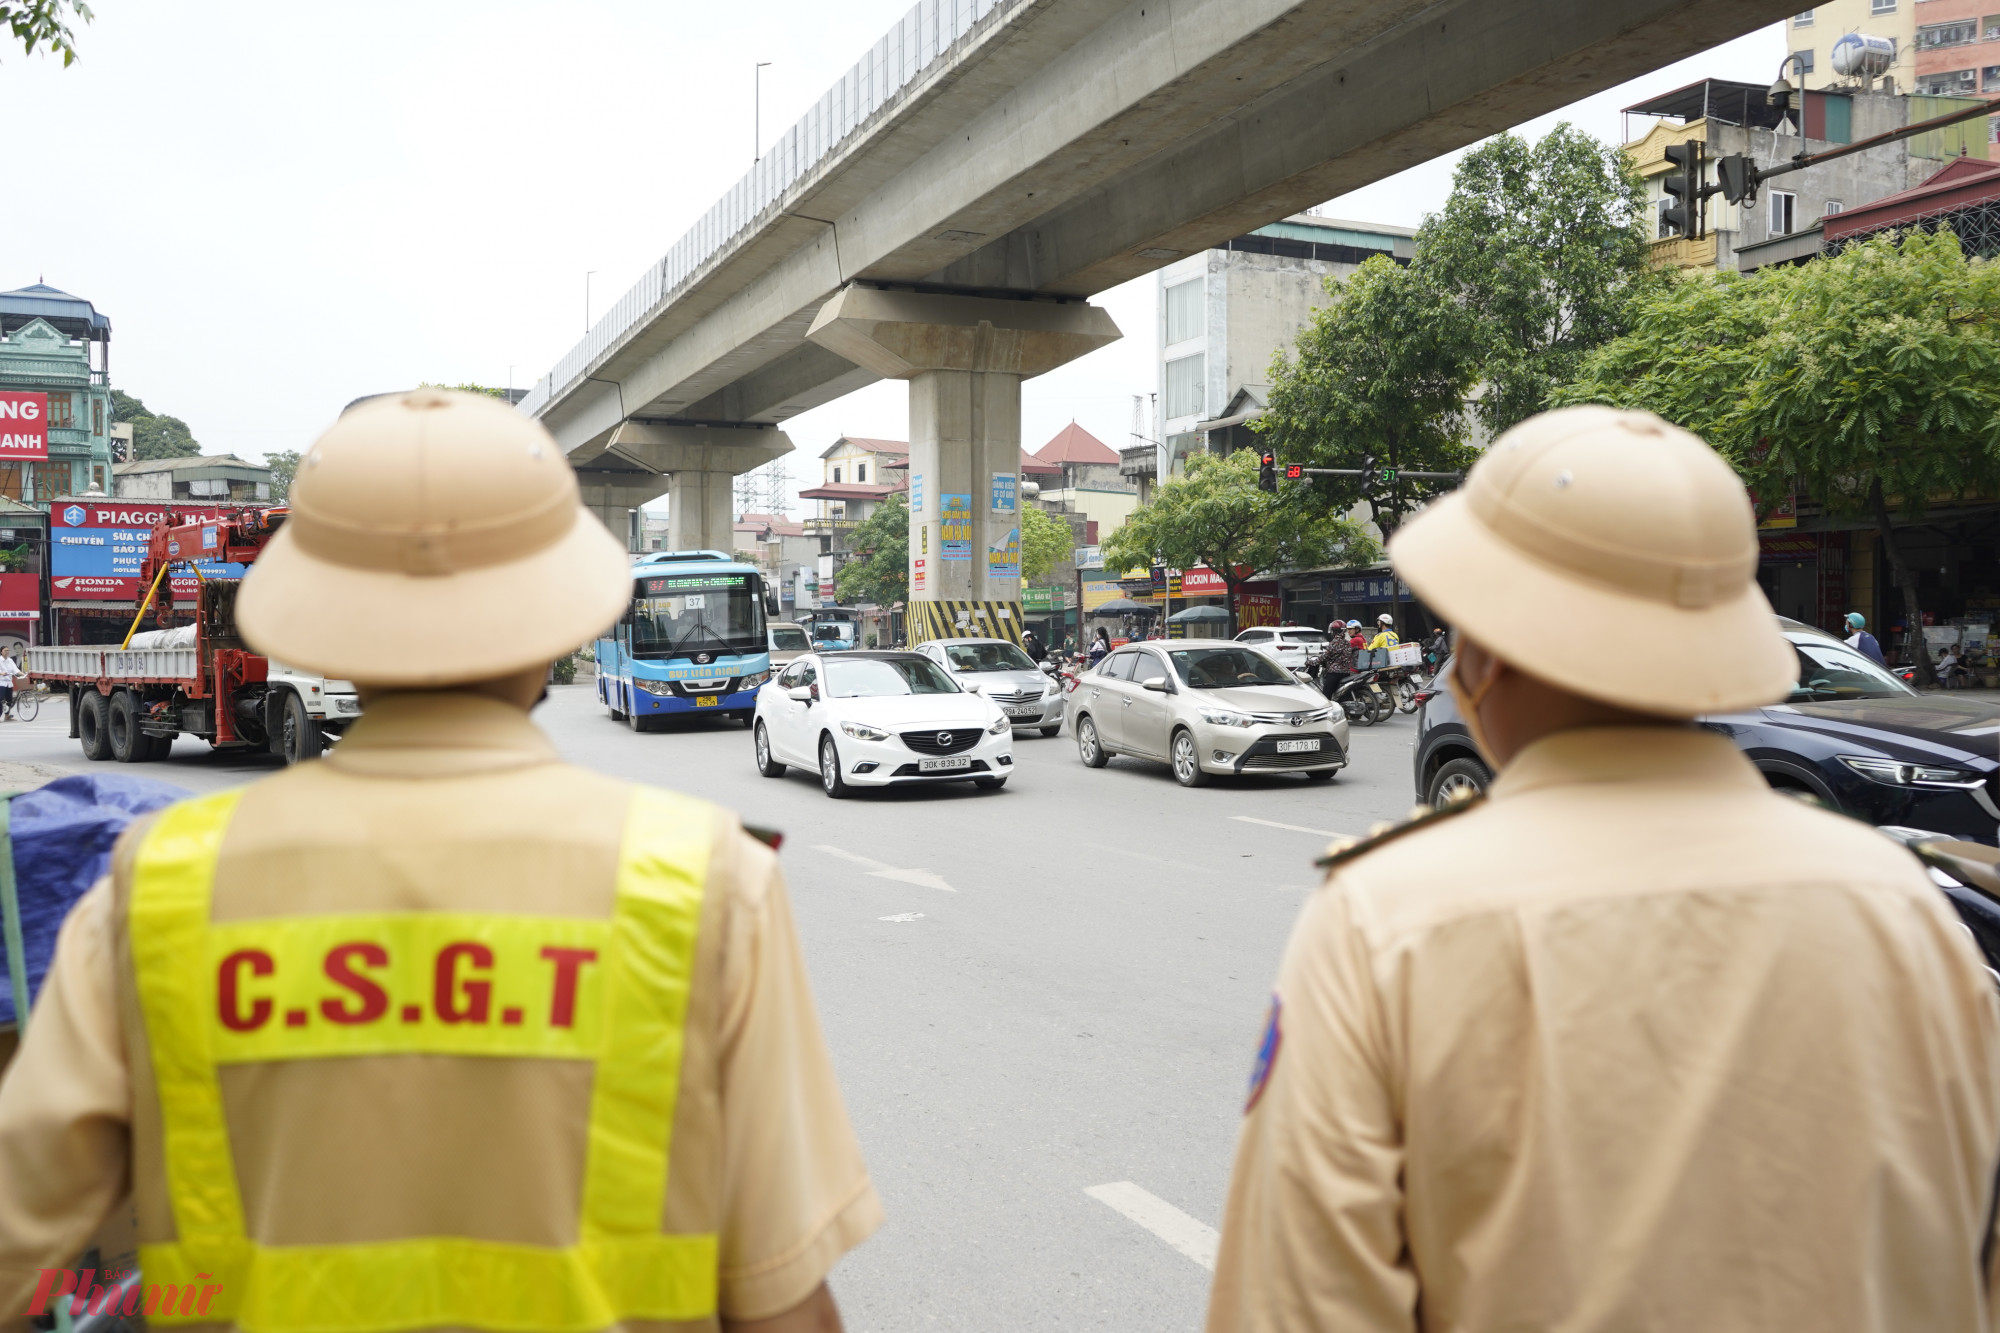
{"points": [[20, 596], [24, 427]]}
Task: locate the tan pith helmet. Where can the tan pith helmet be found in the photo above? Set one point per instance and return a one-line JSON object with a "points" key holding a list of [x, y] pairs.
{"points": [[435, 537], [1609, 553]]}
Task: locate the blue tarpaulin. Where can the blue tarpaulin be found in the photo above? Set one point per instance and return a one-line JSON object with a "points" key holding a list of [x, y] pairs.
{"points": [[62, 835]]}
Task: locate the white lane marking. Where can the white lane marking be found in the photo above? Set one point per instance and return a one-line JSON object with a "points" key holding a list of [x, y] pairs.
{"points": [[1295, 828], [902, 916], [1197, 1240], [923, 879]]}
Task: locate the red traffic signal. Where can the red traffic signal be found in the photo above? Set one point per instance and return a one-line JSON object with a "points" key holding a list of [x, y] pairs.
{"points": [[1293, 471]]}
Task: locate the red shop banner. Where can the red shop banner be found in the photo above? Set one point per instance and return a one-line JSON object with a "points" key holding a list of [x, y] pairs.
{"points": [[24, 427], [20, 596]]}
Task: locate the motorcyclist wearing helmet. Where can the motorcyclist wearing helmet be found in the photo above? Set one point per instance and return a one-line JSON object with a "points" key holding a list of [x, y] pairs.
{"points": [[1861, 641]]}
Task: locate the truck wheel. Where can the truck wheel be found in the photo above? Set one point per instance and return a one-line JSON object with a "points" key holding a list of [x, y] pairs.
{"points": [[299, 737], [93, 725], [128, 743]]}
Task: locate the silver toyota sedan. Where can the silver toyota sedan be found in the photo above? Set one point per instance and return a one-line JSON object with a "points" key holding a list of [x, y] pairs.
{"points": [[1004, 674], [1206, 709]]}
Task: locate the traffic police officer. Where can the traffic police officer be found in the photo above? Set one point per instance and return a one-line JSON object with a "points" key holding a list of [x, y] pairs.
{"points": [[437, 1032], [1635, 1043]]}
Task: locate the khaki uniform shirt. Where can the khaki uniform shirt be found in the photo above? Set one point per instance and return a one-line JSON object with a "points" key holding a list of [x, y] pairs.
{"points": [[1636, 1044], [443, 802]]}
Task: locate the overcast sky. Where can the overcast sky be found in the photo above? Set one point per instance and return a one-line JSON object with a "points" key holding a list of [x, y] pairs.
{"points": [[283, 207]]}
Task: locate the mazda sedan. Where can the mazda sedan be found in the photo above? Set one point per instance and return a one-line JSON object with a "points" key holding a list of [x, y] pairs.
{"points": [[1207, 710], [1851, 734], [880, 719]]}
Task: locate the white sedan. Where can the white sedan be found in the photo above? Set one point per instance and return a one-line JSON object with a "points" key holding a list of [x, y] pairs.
{"points": [[880, 719]]}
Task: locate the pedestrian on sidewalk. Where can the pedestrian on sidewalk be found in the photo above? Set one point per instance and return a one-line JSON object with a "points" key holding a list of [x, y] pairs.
{"points": [[438, 1031], [1635, 1042], [1099, 646], [1861, 641]]}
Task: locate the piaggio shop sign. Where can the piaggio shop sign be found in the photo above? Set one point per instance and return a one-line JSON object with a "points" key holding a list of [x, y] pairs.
{"points": [[96, 548], [24, 427]]}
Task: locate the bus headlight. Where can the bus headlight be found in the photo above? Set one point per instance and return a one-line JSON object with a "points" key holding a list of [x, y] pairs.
{"points": [[663, 689], [753, 680]]}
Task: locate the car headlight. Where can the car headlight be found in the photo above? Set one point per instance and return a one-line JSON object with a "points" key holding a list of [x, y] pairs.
{"points": [[753, 680], [1222, 717], [1895, 774], [1051, 690], [1000, 726], [861, 731]]}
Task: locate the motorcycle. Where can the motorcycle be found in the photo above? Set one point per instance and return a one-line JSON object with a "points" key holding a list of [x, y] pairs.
{"points": [[1363, 698]]}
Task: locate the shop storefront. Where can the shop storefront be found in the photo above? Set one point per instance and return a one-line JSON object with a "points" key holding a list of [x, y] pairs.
{"points": [[23, 583]]}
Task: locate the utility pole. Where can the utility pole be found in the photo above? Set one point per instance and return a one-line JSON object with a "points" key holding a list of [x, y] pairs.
{"points": [[757, 112]]}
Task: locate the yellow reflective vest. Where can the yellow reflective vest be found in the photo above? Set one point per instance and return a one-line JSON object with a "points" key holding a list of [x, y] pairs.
{"points": [[611, 991]]}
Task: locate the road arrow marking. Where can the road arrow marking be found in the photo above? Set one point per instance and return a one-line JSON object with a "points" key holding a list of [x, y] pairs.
{"points": [[923, 879], [1197, 1240], [1295, 828]]}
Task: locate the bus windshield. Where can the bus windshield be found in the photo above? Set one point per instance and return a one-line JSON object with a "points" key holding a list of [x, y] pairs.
{"points": [[675, 615]]}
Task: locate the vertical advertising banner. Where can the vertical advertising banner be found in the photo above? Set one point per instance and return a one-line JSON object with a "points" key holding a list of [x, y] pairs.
{"points": [[24, 427], [1006, 486], [1003, 558], [955, 527], [917, 493], [919, 575]]}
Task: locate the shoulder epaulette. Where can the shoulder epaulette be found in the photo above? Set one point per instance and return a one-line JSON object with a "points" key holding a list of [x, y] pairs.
{"points": [[1341, 852]]}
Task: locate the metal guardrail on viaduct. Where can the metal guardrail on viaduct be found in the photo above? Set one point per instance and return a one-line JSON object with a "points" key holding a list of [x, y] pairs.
{"points": [[949, 205]]}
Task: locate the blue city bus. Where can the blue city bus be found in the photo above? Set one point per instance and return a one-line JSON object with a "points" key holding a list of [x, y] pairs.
{"points": [[691, 641]]}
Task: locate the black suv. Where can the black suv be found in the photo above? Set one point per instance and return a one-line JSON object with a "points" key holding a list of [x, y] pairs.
{"points": [[1851, 733]]}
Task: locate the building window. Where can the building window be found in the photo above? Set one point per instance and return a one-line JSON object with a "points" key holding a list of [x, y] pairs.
{"points": [[1832, 206], [1952, 84], [1803, 20], [1989, 79], [1802, 61], [1664, 229], [1183, 312], [860, 472], [1989, 28], [836, 476], [1783, 206], [1959, 32], [97, 416], [1881, 6], [1185, 384], [62, 410]]}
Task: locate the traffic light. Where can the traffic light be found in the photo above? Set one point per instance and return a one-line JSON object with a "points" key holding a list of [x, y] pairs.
{"points": [[1683, 188], [1267, 471], [1737, 175], [1388, 476], [1293, 471]]}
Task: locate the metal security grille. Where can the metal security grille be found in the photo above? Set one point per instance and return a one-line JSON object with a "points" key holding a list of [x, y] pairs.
{"points": [[943, 741], [1977, 227]]}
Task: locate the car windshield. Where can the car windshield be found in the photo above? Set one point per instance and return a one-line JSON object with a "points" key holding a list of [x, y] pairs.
{"points": [[679, 614], [877, 678], [1226, 668], [1305, 636], [834, 631], [1829, 670], [987, 657], [789, 639]]}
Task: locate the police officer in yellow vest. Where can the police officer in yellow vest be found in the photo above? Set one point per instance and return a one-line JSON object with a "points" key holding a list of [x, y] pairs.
{"points": [[1636, 1043], [438, 1032]]}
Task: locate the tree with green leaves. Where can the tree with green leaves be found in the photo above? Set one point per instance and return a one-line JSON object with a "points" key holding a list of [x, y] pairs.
{"points": [[284, 465], [879, 570], [153, 436], [1217, 516], [44, 23], [485, 389], [1046, 541], [1378, 380], [1868, 381], [1544, 248]]}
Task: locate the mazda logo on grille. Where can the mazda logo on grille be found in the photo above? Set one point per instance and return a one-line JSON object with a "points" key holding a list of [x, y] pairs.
{"points": [[944, 740]]}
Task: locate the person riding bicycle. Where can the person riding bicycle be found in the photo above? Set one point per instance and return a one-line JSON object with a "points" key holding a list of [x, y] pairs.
{"points": [[10, 673]]}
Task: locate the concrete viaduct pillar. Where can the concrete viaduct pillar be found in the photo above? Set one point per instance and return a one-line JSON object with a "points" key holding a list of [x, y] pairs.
{"points": [[965, 358], [694, 466]]}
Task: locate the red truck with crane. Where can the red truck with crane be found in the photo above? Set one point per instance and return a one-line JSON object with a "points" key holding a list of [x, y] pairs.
{"points": [[197, 678]]}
